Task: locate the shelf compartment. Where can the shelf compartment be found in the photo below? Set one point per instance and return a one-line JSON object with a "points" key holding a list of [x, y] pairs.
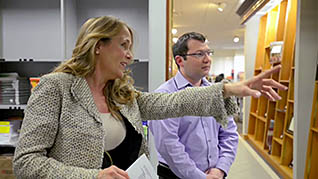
{"points": [[287, 152], [260, 128], [273, 160], [251, 124], [282, 104], [279, 124], [312, 157], [277, 148]]}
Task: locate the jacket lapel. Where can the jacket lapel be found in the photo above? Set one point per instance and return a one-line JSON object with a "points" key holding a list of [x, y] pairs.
{"points": [[83, 95]]}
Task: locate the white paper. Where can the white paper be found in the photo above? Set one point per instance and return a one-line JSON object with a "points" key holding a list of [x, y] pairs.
{"points": [[142, 169]]}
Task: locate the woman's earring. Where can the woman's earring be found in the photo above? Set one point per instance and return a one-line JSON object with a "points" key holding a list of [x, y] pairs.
{"points": [[97, 52]]}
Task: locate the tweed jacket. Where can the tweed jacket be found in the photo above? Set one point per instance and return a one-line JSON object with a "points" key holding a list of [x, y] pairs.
{"points": [[62, 134]]}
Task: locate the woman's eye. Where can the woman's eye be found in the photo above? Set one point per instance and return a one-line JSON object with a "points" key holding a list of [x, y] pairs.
{"points": [[124, 45]]}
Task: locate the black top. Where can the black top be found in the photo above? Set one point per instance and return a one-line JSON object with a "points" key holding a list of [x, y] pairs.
{"points": [[127, 152]]}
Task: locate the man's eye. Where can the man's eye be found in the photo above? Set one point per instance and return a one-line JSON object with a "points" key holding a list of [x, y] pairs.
{"points": [[200, 54]]}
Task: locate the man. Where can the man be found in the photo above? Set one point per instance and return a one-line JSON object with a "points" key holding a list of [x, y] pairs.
{"points": [[193, 147]]}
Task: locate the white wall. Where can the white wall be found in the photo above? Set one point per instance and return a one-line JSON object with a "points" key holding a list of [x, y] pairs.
{"points": [[157, 43], [157, 62], [305, 63], [134, 13], [224, 61], [250, 44], [30, 30]]}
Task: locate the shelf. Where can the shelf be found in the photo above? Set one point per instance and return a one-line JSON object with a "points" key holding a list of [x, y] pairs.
{"points": [[253, 114], [29, 60], [262, 118], [288, 135], [281, 110], [258, 69], [291, 101], [284, 81], [8, 106], [278, 140], [314, 129]]}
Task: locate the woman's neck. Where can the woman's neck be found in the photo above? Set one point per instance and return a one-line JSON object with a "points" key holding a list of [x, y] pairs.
{"points": [[96, 82]]}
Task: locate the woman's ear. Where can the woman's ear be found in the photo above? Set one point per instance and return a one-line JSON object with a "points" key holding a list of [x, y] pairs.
{"points": [[98, 47]]}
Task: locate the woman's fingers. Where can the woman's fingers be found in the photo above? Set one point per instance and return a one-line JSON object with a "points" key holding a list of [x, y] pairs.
{"points": [[113, 172], [267, 95], [274, 84], [120, 174], [265, 74], [273, 95]]}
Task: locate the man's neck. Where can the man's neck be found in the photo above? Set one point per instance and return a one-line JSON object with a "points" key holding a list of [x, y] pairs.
{"points": [[193, 81]]}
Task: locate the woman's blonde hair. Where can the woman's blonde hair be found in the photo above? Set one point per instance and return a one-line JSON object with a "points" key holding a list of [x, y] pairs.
{"points": [[83, 60]]}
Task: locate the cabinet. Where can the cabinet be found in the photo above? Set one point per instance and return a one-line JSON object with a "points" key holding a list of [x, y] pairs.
{"points": [[279, 24], [312, 153]]}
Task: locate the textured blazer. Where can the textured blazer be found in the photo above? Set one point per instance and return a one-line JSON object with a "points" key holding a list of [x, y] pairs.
{"points": [[62, 134]]}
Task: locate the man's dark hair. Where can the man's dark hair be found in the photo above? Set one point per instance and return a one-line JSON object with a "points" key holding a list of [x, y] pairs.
{"points": [[181, 46]]}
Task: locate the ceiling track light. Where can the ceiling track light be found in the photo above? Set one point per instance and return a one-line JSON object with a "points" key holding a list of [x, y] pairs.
{"points": [[236, 39], [221, 6]]}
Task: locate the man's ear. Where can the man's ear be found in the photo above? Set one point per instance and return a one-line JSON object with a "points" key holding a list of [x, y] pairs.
{"points": [[180, 60]]}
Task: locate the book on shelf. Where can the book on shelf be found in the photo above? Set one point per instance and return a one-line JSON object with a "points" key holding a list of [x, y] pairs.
{"points": [[290, 128]]}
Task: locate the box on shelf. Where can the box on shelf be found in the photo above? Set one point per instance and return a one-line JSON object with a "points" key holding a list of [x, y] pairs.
{"points": [[276, 49], [9, 131]]}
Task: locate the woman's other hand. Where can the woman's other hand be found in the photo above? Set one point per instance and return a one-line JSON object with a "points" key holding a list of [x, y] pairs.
{"points": [[112, 172], [256, 86]]}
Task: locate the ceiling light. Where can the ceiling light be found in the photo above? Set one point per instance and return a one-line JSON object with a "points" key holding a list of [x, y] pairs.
{"points": [[174, 31], [174, 39], [221, 6], [236, 39]]}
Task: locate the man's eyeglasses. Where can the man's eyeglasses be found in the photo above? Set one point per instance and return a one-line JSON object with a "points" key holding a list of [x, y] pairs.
{"points": [[201, 54]]}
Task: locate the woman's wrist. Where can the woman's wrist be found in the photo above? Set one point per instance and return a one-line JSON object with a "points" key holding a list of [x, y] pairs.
{"points": [[226, 90]]}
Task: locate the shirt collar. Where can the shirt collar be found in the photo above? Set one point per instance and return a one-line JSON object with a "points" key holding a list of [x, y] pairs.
{"points": [[182, 82]]}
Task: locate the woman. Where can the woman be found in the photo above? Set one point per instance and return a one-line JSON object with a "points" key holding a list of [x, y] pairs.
{"points": [[84, 120]]}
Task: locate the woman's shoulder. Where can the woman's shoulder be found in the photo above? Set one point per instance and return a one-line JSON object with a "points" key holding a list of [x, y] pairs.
{"points": [[58, 78]]}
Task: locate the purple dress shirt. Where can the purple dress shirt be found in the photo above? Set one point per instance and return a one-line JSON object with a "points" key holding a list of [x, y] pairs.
{"points": [[191, 145]]}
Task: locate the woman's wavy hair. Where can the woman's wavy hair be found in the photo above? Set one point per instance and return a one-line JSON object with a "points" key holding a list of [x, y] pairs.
{"points": [[82, 63]]}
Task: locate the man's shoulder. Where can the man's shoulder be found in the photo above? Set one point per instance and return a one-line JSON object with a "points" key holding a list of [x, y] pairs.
{"points": [[167, 87]]}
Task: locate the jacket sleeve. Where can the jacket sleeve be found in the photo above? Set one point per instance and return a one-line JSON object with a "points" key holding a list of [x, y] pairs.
{"points": [[228, 141], [38, 133], [196, 101]]}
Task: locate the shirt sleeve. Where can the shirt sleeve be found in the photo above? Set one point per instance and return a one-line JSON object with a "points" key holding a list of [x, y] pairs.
{"points": [[228, 141], [172, 150]]}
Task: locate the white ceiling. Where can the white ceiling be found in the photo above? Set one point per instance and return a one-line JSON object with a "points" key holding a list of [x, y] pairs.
{"points": [[202, 16]]}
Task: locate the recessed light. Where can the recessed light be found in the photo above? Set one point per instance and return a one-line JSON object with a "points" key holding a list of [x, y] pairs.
{"points": [[174, 39], [174, 31], [236, 39]]}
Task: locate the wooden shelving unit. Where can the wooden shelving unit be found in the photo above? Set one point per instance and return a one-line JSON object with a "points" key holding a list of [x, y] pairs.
{"points": [[279, 24], [312, 153]]}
